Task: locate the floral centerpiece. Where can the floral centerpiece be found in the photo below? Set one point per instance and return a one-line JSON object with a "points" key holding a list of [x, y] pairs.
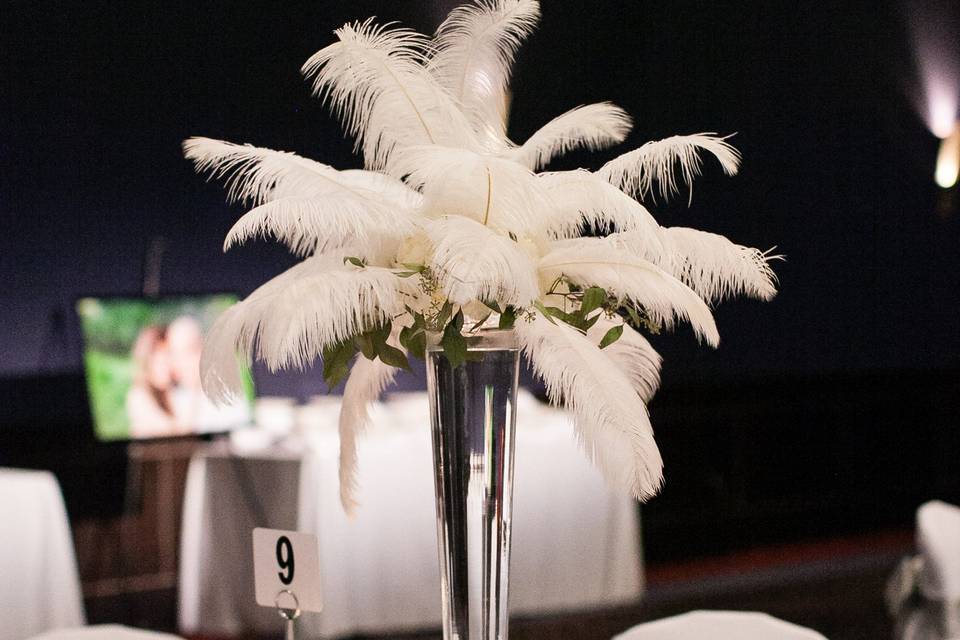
{"points": [[453, 228]]}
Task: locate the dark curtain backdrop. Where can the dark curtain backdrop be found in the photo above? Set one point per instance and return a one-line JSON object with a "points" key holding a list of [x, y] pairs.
{"points": [[96, 96]]}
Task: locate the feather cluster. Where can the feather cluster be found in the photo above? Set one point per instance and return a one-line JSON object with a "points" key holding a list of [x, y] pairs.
{"points": [[450, 219]]}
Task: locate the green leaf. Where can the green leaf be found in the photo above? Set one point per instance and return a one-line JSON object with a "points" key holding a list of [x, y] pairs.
{"points": [[392, 356], [560, 314], [493, 305], [414, 339], [416, 268], [635, 317], [444, 315], [355, 261], [586, 324], [479, 323], [543, 310], [611, 336], [380, 334], [593, 298], [336, 362], [365, 343], [453, 343], [457, 320], [508, 318], [405, 274]]}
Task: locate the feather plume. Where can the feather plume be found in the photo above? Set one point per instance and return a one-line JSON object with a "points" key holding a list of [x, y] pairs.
{"points": [[633, 355], [592, 126], [599, 262], [316, 225], [579, 197], [475, 49], [611, 421], [376, 81], [495, 192], [288, 321], [656, 162], [384, 186], [717, 268], [254, 175], [367, 380], [474, 263]]}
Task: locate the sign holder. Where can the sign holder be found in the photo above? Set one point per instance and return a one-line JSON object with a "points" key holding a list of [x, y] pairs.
{"points": [[290, 614]]}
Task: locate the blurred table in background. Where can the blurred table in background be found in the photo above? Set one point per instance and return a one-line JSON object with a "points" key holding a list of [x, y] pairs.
{"points": [[39, 585], [719, 625], [104, 632], [575, 543]]}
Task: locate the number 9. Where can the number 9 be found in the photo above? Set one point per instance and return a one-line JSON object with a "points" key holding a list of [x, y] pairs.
{"points": [[285, 559]]}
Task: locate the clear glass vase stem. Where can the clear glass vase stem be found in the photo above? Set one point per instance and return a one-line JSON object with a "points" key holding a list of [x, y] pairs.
{"points": [[472, 414]]}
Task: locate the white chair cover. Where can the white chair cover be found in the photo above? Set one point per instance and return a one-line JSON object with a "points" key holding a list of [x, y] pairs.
{"points": [[938, 542]]}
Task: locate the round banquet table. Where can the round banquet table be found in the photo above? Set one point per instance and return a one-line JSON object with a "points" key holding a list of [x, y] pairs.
{"points": [[104, 632], [719, 625], [576, 543], [39, 584]]}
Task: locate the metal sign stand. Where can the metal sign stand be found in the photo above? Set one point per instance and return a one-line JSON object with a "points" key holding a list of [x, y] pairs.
{"points": [[290, 614]]}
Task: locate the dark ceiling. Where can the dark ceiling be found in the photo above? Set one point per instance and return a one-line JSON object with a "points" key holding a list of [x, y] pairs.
{"points": [[96, 96]]}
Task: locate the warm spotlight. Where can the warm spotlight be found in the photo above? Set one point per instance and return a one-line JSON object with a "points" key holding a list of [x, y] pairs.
{"points": [[942, 108], [948, 159]]}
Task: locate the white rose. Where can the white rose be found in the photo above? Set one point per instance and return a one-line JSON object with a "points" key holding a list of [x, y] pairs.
{"points": [[414, 250]]}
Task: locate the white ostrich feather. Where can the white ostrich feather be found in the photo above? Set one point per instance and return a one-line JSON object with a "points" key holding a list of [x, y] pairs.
{"points": [[475, 263], [592, 126], [599, 262], [447, 189], [475, 49], [255, 175], [717, 268], [611, 421], [367, 380], [656, 162], [385, 186], [633, 355], [376, 81], [315, 225], [581, 197], [288, 321], [495, 192]]}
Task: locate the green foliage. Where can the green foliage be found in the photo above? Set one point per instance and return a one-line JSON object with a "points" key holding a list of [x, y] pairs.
{"points": [[336, 362], [508, 318], [357, 262], [453, 343], [577, 306], [371, 344], [414, 338], [612, 335], [593, 298]]}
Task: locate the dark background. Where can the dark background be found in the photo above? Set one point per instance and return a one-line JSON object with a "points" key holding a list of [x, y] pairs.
{"points": [[823, 406]]}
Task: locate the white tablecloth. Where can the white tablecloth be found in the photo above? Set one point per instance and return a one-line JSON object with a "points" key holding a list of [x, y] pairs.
{"points": [[719, 625], [575, 543], [39, 585], [104, 632]]}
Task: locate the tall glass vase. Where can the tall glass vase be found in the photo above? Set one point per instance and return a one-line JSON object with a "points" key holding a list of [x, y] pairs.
{"points": [[472, 415]]}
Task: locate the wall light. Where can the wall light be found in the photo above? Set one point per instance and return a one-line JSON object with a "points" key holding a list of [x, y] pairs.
{"points": [[948, 160]]}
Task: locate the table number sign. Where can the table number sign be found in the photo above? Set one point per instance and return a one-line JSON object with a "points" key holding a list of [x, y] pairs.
{"points": [[286, 567]]}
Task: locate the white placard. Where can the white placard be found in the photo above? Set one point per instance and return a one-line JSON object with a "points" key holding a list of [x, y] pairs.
{"points": [[287, 561]]}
